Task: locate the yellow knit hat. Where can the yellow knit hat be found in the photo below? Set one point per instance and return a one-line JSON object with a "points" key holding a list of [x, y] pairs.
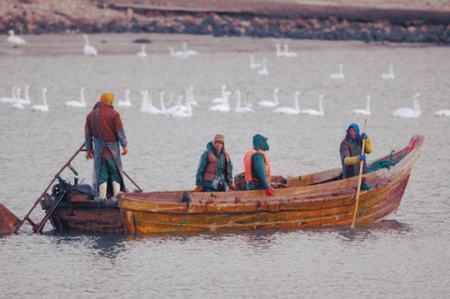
{"points": [[107, 97]]}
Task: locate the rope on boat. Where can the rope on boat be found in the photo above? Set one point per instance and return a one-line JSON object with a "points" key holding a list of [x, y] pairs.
{"points": [[382, 164], [188, 201]]}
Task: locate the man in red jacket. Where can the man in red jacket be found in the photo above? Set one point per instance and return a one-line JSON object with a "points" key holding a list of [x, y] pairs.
{"points": [[104, 135]]}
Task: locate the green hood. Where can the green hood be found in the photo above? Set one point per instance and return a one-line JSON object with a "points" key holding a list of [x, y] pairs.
{"points": [[260, 143]]}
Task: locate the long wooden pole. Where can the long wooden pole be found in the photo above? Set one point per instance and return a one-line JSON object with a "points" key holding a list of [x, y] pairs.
{"points": [[358, 189]]}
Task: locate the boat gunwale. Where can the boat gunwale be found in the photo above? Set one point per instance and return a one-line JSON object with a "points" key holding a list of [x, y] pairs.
{"points": [[240, 198]]}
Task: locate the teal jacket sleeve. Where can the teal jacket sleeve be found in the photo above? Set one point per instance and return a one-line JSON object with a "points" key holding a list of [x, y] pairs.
{"points": [[230, 175], [259, 170], [201, 169]]}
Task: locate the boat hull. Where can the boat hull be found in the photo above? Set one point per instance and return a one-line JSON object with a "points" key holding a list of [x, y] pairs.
{"points": [[315, 200]]}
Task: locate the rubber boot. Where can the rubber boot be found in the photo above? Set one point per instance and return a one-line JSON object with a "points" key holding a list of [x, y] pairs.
{"points": [[116, 188], [102, 191]]}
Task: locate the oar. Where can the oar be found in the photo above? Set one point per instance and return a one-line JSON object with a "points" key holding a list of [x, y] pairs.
{"points": [[358, 190]]}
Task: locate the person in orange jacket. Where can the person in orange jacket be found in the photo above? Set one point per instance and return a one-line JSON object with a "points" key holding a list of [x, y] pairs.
{"points": [[257, 166]]}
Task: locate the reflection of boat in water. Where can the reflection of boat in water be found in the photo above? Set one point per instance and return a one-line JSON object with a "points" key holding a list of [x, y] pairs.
{"points": [[320, 199]]}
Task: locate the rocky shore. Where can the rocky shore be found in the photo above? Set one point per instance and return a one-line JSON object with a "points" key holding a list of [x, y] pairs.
{"points": [[271, 18]]}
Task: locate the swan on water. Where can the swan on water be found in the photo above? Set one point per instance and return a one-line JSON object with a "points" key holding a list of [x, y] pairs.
{"points": [[315, 112], [190, 96], [339, 75], [278, 52], [409, 112], [180, 112], [174, 53], [390, 75], [44, 106], [184, 53], [12, 99], [15, 40], [363, 111], [78, 104], [241, 108], [269, 103], [163, 110], [223, 95], [253, 64], [263, 71], [147, 104], [26, 100], [127, 101], [290, 110], [188, 52], [88, 50], [287, 53], [444, 112], [222, 107], [143, 52], [19, 103]]}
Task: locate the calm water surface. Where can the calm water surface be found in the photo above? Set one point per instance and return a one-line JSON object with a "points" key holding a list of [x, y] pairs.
{"points": [[405, 256]]}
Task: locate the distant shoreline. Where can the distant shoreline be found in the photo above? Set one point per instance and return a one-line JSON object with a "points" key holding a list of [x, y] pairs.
{"points": [[273, 18]]}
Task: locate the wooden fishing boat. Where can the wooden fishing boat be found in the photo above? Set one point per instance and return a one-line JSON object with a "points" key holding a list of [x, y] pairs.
{"points": [[320, 199]]}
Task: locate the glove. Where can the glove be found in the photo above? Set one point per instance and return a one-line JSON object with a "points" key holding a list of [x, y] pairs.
{"points": [[269, 192], [198, 188], [362, 158], [364, 136], [125, 150], [232, 188], [89, 154]]}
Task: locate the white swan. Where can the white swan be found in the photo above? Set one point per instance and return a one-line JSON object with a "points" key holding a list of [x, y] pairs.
{"points": [[142, 53], [181, 112], [363, 111], [222, 107], [289, 54], [339, 75], [163, 110], [127, 101], [88, 50], [290, 110], [44, 106], [190, 96], [390, 75], [253, 64], [78, 104], [444, 112], [315, 112], [147, 105], [19, 103], [26, 100], [188, 52], [409, 112], [268, 103], [239, 108], [223, 95], [263, 71], [12, 99], [15, 40], [278, 52], [174, 53]]}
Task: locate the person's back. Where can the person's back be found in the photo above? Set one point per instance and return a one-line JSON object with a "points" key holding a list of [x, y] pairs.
{"points": [[257, 166], [104, 134]]}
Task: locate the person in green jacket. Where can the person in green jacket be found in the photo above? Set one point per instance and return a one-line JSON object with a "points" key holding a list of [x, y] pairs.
{"points": [[215, 170], [257, 166]]}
